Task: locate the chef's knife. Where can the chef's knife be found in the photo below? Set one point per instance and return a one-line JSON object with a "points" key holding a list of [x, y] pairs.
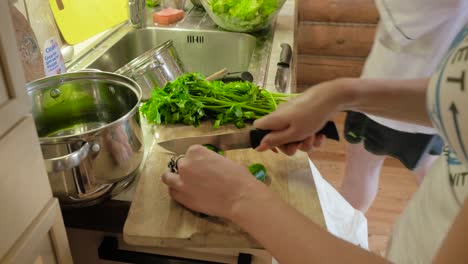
{"points": [[283, 72], [236, 140]]}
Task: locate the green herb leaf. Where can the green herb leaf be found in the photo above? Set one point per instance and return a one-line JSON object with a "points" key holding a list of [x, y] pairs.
{"points": [[190, 99]]}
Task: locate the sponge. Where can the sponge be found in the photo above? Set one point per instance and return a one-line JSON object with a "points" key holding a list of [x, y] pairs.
{"points": [[168, 16]]}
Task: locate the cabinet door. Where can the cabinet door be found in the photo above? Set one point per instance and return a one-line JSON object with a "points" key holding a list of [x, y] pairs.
{"points": [[44, 241], [31, 225], [24, 185], [3, 91], [13, 97]]}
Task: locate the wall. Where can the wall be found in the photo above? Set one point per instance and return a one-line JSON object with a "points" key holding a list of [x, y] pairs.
{"points": [[40, 18], [334, 38]]}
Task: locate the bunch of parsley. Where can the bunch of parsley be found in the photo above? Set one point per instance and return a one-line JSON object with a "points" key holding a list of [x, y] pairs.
{"points": [[191, 99]]}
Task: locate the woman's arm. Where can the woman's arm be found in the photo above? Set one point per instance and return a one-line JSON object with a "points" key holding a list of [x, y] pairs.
{"points": [[290, 236], [210, 183], [299, 120], [454, 249], [403, 100]]}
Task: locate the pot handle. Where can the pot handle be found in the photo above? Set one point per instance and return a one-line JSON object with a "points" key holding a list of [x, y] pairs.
{"points": [[69, 161]]}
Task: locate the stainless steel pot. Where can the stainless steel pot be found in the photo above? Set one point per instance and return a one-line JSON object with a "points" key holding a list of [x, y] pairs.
{"points": [[90, 133], [154, 68]]}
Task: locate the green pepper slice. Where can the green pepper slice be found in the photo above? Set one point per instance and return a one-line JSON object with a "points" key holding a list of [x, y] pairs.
{"points": [[215, 149], [259, 171]]}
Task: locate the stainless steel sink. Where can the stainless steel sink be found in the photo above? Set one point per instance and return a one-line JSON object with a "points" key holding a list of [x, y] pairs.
{"points": [[201, 50]]}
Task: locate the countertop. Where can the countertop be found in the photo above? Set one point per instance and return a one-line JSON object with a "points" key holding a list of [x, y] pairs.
{"points": [[110, 215]]}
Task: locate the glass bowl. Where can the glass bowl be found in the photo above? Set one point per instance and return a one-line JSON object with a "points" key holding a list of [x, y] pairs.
{"points": [[243, 15]]}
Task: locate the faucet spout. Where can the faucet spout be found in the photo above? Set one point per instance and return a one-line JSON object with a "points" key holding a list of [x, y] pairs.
{"points": [[137, 13]]}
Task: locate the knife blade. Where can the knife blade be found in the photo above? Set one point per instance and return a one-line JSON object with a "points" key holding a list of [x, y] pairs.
{"points": [[283, 71], [236, 140]]}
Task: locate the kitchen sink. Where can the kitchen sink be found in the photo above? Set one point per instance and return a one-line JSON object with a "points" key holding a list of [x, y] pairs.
{"points": [[201, 50]]}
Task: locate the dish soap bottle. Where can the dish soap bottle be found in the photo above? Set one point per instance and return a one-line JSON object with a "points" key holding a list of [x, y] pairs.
{"points": [[53, 59]]}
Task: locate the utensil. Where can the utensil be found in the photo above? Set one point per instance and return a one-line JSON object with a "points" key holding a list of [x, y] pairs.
{"points": [[237, 140], [238, 76], [90, 133], [283, 72], [80, 20], [226, 76], [217, 75], [154, 68], [137, 13]]}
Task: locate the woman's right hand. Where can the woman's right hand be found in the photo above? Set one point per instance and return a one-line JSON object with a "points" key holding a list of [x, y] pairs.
{"points": [[295, 123]]}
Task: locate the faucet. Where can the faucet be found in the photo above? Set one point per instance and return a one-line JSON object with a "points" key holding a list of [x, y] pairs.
{"points": [[137, 13]]}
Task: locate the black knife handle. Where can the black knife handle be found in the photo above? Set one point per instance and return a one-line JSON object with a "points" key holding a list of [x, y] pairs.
{"points": [[256, 136], [285, 55], [329, 130]]}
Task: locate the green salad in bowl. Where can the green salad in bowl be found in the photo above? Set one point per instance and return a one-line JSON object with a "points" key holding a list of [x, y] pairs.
{"points": [[243, 15]]}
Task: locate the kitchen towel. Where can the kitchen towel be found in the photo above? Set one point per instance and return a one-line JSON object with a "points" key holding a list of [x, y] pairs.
{"points": [[341, 219]]}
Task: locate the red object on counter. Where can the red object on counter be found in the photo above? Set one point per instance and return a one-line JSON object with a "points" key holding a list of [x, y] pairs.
{"points": [[168, 16]]}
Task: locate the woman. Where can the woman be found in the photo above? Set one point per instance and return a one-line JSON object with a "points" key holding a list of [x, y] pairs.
{"points": [[432, 228], [411, 39]]}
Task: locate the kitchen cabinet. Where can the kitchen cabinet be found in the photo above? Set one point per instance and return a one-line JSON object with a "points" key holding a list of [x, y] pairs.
{"points": [[31, 224], [13, 100], [44, 241]]}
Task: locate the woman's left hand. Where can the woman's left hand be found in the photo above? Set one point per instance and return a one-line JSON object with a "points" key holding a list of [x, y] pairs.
{"points": [[209, 183]]}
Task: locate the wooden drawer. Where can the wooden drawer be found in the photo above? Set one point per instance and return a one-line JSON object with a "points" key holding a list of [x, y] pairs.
{"points": [[44, 241], [24, 185], [315, 69], [354, 11], [351, 40]]}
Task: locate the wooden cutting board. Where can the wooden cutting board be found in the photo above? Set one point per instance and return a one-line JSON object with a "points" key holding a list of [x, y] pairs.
{"points": [[79, 20], [156, 220]]}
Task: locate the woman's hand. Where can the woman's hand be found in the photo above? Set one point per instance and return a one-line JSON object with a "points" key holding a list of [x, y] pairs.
{"points": [[210, 183], [295, 123]]}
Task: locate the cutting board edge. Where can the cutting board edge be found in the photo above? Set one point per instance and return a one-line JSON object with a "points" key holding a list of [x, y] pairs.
{"points": [[186, 243]]}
